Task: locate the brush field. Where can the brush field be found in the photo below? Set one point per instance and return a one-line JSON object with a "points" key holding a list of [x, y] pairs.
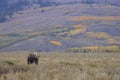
{"points": [[60, 66]]}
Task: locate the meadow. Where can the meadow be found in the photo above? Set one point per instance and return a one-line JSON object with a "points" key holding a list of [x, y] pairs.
{"points": [[60, 66]]}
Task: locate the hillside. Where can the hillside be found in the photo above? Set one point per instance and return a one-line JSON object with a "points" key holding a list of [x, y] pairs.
{"points": [[10, 7], [61, 27]]}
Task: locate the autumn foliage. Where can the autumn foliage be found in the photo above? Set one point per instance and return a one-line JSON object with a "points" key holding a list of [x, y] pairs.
{"points": [[57, 43]]}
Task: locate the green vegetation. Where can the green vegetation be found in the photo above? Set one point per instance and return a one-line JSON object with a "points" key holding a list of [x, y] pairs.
{"points": [[89, 49], [58, 32], [9, 39], [9, 63]]}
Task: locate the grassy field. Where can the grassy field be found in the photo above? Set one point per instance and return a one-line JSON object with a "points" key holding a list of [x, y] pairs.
{"points": [[60, 66]]}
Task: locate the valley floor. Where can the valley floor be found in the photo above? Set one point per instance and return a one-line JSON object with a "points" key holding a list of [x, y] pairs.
{"points": [[60, 66]]}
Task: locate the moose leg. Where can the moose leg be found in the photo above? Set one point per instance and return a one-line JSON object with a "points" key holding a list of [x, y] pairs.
{"points": [[28, 61], [36, 61]]}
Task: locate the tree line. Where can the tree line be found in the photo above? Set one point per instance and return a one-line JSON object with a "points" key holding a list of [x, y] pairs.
{"points": [[7, 9]]}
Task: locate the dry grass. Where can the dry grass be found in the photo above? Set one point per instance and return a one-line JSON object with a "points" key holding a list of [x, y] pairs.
{"points": [[57, 43], [110, 39], [77, 29], [103, 48], [80, 26], [105, 18], [101, 35], [63, 66]]}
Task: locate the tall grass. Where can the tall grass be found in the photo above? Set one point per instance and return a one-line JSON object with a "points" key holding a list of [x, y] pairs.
{"points": [[62, 66]]}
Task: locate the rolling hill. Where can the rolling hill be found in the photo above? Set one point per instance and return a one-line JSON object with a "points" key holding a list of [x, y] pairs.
{"points": [[10, 7], [61, 27]]}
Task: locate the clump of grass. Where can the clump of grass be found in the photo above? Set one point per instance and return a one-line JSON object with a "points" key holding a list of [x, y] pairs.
{"points": [[8, 67], [9, 63]]}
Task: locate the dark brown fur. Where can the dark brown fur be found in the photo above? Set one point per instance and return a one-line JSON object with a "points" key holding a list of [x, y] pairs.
{"points": [[32, 59]]}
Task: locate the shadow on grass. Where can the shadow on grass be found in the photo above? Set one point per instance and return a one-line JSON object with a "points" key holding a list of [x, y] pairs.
{"points": [[7, 67]]}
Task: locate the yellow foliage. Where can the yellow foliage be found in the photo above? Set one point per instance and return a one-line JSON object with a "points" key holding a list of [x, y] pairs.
{"points": [[57, 43], [91, 47], [84, 18], [77, 31], [110, 39], [79, 28], [47, 8], [98, 35]]}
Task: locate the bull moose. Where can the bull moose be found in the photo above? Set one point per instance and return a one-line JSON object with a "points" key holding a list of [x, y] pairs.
{"points": [[33, 58]]}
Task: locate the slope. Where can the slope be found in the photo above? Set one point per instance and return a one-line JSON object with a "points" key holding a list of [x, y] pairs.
{"points": [[61, 27]]}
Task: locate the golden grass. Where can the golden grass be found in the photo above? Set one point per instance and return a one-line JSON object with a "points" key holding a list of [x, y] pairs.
{"points": [[79, 28], [98, 35], [64, 66], [105, 18], [57, 43], [109, 38], [102, 48], [77, 31], [47, 8]]}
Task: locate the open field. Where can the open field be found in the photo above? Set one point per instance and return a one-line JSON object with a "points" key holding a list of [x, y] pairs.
{"points": [[60, 66]]}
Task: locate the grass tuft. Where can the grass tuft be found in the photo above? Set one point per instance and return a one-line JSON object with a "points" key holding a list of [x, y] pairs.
{"points": [[9, 63]]}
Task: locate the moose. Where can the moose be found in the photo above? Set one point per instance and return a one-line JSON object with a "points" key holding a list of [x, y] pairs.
{"points": [[33, 58]]}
